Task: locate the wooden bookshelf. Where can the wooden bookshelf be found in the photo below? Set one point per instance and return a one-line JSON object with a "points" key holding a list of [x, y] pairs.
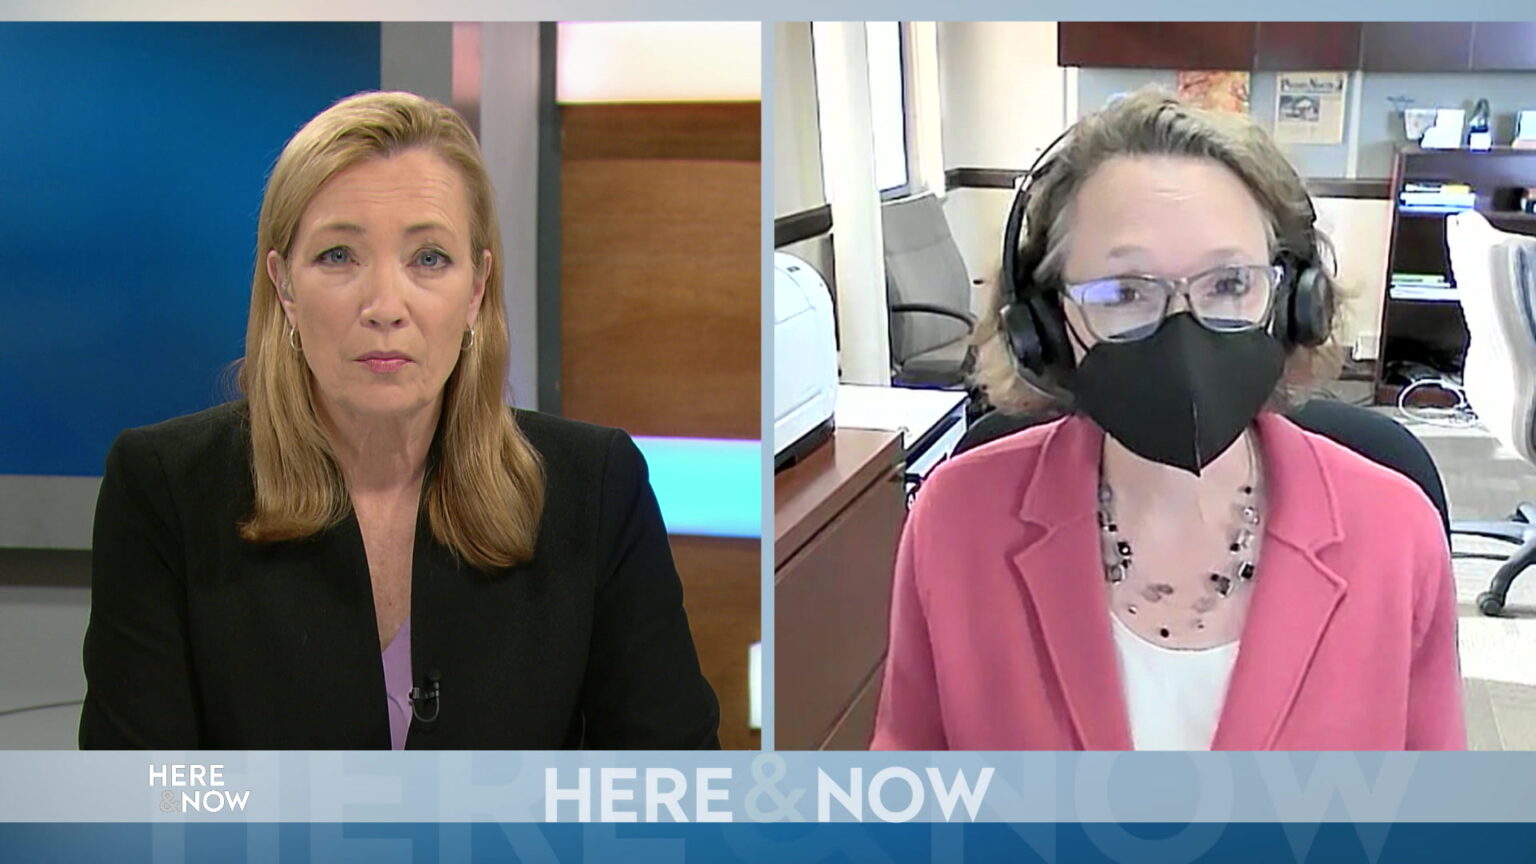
{"points": [[1432, 332]]}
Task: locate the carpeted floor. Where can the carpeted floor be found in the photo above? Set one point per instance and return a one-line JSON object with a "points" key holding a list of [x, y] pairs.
{"points": [[1484, 481]]}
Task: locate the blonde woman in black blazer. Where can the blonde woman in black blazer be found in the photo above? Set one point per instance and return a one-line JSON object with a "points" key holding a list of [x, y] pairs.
{"points": [[254, 564]]}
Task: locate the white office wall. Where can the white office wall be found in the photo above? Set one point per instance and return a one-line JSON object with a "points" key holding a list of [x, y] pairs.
{"points": [[1004, 100], [797, 183], [976, 218], [1360, 230], [1004, 96], [797, 180], [659, 61]]}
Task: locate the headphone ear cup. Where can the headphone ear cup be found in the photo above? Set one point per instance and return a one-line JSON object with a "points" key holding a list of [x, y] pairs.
{"points": [[1024, 337], [1037, 336], [1056, 345], [1311, 309]]}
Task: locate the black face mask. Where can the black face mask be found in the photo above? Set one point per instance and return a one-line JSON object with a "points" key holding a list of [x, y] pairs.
{"points": [[1181, 396]]}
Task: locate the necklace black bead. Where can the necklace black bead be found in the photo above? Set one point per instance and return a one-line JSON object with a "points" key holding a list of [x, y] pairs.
{"points": [[1239, 570]]}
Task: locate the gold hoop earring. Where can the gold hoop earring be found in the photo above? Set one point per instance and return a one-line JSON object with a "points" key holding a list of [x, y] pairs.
{"points": [[293, 340], [469, 341]]}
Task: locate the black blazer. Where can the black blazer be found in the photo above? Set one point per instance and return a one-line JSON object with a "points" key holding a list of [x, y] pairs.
{"points": [[198, 639]]}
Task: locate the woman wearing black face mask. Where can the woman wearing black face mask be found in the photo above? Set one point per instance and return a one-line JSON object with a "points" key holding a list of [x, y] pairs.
{"points": [[1173, 565]]}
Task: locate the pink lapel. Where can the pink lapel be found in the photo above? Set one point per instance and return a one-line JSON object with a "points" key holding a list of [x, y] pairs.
{"points": [[1062, 572], [1295, 594]]}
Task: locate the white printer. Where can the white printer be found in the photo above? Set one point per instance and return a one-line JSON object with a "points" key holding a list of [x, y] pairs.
{"points": [[804, 359]]}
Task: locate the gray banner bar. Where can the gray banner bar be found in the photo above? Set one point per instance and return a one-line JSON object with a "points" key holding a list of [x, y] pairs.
{"points": [[851, 787]]}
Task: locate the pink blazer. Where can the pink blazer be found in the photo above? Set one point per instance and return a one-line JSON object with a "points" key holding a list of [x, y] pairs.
{"points": [[1000, 635]]}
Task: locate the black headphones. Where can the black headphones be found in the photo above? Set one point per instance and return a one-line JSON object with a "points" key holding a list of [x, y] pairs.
{"points": [[1036, 328]]}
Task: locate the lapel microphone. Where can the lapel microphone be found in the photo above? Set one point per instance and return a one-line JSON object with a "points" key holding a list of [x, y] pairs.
{"points": [[428, 699]]}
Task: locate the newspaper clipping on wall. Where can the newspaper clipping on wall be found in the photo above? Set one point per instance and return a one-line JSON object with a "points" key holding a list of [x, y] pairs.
{"points": [[1309, 107]]}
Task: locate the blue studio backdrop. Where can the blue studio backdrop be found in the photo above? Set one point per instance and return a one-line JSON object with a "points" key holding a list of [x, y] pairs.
{"points": [[131, 170]]}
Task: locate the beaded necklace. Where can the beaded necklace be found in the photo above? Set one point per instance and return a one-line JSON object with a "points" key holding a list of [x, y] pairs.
{"points": [[1156, 597]]}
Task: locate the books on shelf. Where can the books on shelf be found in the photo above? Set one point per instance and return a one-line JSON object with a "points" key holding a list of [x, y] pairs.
{"points": [[1435, 186], [1436, 197], [1436, 295], [1422, 286], [1435, 209]]}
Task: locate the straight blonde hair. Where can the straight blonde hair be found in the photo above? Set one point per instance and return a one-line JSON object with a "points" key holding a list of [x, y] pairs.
{"points": [[486, 494]]}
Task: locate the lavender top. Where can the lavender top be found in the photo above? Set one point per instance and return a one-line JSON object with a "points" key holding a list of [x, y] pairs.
{"points": [[397, 685]]}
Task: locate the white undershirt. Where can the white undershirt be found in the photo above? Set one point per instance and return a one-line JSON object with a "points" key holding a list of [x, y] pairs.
{"points": [[1173, 696]]}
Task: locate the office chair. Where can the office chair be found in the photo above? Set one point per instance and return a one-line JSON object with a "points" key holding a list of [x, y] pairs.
{"points": [[1373, 435], [929, 295], [1495, 276]]}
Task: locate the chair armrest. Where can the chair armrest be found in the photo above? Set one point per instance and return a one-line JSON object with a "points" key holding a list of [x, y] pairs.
{"points": [[932, 309]]}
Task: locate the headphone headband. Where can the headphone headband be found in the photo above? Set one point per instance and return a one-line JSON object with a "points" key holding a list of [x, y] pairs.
{"points": [[1015, 224], [1034, 323]]}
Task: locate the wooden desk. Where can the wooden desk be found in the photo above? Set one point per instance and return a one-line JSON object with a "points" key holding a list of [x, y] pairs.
{"points": [[837, 520], [722, 593]]}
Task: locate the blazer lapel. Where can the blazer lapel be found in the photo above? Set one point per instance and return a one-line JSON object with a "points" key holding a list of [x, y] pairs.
{"points": [[434, 574], [1295, 593], [1061, 569], [348, 659]]}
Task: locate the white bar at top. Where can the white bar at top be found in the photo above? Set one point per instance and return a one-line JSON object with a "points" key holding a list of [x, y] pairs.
{"points": [[658, 61]]}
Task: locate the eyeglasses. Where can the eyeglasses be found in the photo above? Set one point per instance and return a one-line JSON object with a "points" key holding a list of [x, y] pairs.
{"points": [[1224, 299]]}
